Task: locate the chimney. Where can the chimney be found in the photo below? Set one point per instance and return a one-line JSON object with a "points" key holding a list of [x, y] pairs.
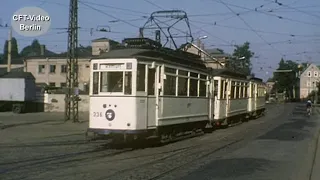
{"points": [[25, 69], [42, 50], [140, 32]]}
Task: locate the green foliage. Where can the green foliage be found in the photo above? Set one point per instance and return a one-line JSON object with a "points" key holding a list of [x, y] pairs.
{"points": [[14, 49], [31, 50], [240, 64], [286, 81]]}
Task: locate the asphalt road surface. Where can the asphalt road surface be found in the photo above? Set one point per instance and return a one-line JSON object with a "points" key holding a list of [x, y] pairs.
{"points": [[280, 145]]}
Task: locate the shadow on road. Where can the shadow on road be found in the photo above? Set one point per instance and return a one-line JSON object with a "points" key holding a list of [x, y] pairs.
{"points": [[231, 168], [6, 126], [295, 130]]}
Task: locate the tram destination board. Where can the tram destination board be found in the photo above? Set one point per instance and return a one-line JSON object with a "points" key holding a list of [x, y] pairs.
{"points": [[112, 66]]}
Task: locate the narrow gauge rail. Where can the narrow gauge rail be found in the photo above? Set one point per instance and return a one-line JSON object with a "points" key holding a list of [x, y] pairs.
{"points": [[143, 91]]}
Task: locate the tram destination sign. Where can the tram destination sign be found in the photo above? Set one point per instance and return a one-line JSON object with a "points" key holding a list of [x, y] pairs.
{"points": [[112, 66]]}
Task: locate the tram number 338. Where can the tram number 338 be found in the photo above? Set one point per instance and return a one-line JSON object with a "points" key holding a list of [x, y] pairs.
{"points": [[97, 114]]}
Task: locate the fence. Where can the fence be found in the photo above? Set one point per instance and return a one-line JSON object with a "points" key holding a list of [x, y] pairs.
{"points": [[56, 103]]}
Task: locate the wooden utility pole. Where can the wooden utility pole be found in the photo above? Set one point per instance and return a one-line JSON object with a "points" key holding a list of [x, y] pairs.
{"points": [[9, 49]]}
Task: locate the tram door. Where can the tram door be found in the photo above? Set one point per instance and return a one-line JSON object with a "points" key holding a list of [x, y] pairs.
{"points": [[213, 97], [152, 100], [229, 95], [158, 92]]}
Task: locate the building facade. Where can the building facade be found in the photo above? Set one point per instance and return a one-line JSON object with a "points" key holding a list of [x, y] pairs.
{"points": [[308, 80], [52, 70], [269, 85]]}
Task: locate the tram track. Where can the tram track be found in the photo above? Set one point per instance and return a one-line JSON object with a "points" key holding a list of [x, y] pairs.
{"points": [[55, 159], [192, 154]]}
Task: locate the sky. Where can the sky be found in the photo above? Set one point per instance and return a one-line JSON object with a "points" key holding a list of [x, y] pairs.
{"points": [[288, 29]]}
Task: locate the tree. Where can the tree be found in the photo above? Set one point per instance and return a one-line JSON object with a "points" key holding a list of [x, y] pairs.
{"points": [[32, 50], [242, 59], [14, 49], [286, 81]]}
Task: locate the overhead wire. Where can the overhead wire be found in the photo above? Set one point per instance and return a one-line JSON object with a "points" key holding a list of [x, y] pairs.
{"points": [[247, 24], [259, 11], [154, 4], [107, 14], [267, 32], [113, 7], [269, 14], [296, 9]]}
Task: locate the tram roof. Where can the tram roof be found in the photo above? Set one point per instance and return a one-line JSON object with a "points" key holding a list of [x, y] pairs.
{"points": [[227, 73], [256, 79], [170, 56]]}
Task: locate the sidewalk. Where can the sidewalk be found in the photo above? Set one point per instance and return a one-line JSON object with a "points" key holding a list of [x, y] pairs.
{"points": [[315, 172], [9, 120]]}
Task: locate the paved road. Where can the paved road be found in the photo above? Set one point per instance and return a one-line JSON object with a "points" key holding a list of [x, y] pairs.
{"points": [[278, 146]]}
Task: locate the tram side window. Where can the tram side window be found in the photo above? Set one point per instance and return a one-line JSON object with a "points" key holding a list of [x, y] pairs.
{"points": [[128, 83], [241, 90], [215, 91], [193, 90], [252, 90], [246, 90], [233, 90], [203, 89], [151, 81], [111, 82], [182, 86], [222, 89], [141, 75], [225, 91], [95, 83], [238, 90], [170, 85]]}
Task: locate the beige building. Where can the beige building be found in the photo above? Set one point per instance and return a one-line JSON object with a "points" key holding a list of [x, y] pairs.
{"points": [[52, 70], [269, 85], [308, 80]]}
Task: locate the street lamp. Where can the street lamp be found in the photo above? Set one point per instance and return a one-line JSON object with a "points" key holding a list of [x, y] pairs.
{"points": [[203, 37], [199, 40]]}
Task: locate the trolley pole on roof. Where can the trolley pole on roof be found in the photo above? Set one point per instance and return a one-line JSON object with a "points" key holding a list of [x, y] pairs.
{"points": [[71, 98]]}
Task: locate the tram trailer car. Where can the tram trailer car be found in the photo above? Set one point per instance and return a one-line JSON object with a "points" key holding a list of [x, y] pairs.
{"points": [[257, 101], [148, 93], [230, 97]]}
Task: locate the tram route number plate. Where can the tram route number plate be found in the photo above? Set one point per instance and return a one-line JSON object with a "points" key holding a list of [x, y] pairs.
{"points": [[97, 114]]}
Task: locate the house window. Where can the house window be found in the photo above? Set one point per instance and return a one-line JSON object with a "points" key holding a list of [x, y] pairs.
{"points": [[52, 84], [308, 84], [41, 68], [315, 73], [63, 84], [63, 68], [309, 73], [52, 68]]}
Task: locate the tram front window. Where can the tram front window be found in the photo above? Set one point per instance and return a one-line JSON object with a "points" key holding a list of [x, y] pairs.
{"points": [[111, 82]]}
